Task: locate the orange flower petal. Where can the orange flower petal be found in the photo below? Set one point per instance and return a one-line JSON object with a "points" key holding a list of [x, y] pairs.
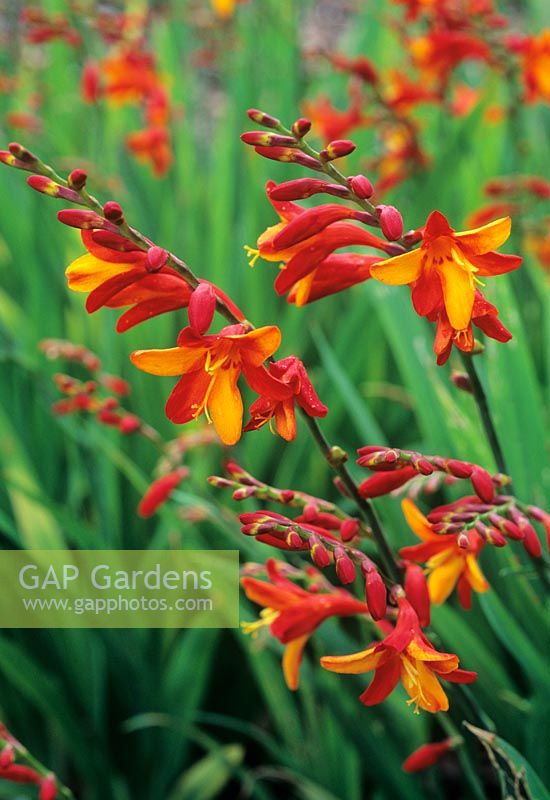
{"points": [[225, 406], [475, 576], [88, 272], [417, 522], [172, 361], [458, 294], [443, 579], [259, 344], [292, 658], [401, 269], [356, 663], [488, 237]]}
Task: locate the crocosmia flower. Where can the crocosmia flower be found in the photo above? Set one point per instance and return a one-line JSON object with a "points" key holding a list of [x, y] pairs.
{"points": [[116, 274], [291, 372], [445, 270], [304, 243], [404, 655], [210, 367], [448, 565], [293, 614]]}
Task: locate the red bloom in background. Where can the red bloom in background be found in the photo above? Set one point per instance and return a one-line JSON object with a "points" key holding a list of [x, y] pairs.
{"points": [[152, 146], [330, 122], [536, 67], [116, 274], [129, 76], [439, 52], [291, 372], [404, 655], [305, 241], [293, 614]]}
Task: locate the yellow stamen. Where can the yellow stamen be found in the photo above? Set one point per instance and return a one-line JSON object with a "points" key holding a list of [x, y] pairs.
{"points": [[267, 616], [253, 255]]}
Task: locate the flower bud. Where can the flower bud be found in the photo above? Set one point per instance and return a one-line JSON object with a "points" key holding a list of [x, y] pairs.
{"points": [[77, 179], [7, 756], [345, 568], [287, 496], [156, 258], [319, 553], [361, 186], [85, 220], [460, 469], [306, 187], [160, 490], [301, 127], [412, 237], [262, 139], [46, 186], [391, 222], [482, 484], [289, 155], [21, 153], [202, 306], [349, 529], [48, 788], [294, 540], [337, 149], [531, 541], [427, 755], [113, 212], [375, 593], [461, 381], [261, 118], [416, 589]]}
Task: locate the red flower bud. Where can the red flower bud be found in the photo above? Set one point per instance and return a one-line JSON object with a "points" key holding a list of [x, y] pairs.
{"points": [[262, 139], [391, 222], [77, 179], [361, 186], [48, 788], [115, 384], [160, 490], [113, 212], [384, 482], [202, 306], [482, 484], [289, 155], [531, 541], [337, 149], [349, 529], [460, 469], [7, 756], [301, 127], [319, 553], [427, 755], [375, 592], [294, 540], [306, 187], [261, 118], [156, 258], [287, 496], [86, 220], [462, 381], [345, 568], [416, 589], [129, 423], [18, 151]]}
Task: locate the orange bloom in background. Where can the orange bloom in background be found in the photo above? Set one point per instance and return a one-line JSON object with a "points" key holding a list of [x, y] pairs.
{"points": [[444, 270], [404, 655], [405, 93], [225, 8], [291, 372], [439, 52], [448, 565], [536, 67], [330, 122], [293, 614], [116, 274], [152, 146], [129, 76], [210, 367], [304, 242]]}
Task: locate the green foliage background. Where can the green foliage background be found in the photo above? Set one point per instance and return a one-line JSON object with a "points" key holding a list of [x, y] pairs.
{"points": [[194, 715]]}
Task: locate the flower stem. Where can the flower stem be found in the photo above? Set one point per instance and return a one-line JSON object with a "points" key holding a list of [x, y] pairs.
{"points": [[484, 412]]}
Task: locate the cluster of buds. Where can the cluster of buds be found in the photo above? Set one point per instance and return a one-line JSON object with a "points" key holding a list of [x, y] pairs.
{"points": [[89, 396], [14, 767], [324, 548], [496, 521], [289, 145], [313, 510], [41, 27], [396, 467]]}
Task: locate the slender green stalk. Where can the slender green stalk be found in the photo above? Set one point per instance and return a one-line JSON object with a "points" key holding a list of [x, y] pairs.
{"points": [[484, 412]]}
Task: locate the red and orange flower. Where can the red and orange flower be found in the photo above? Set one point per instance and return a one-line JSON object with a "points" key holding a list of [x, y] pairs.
{"points": [[305, 241], [448, 565], [210, 367], [444, 272], [293, 614], [404, 655], [291, 372]]}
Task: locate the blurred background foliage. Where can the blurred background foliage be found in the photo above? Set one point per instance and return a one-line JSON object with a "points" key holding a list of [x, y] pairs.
{"points": [[204, 714]]}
